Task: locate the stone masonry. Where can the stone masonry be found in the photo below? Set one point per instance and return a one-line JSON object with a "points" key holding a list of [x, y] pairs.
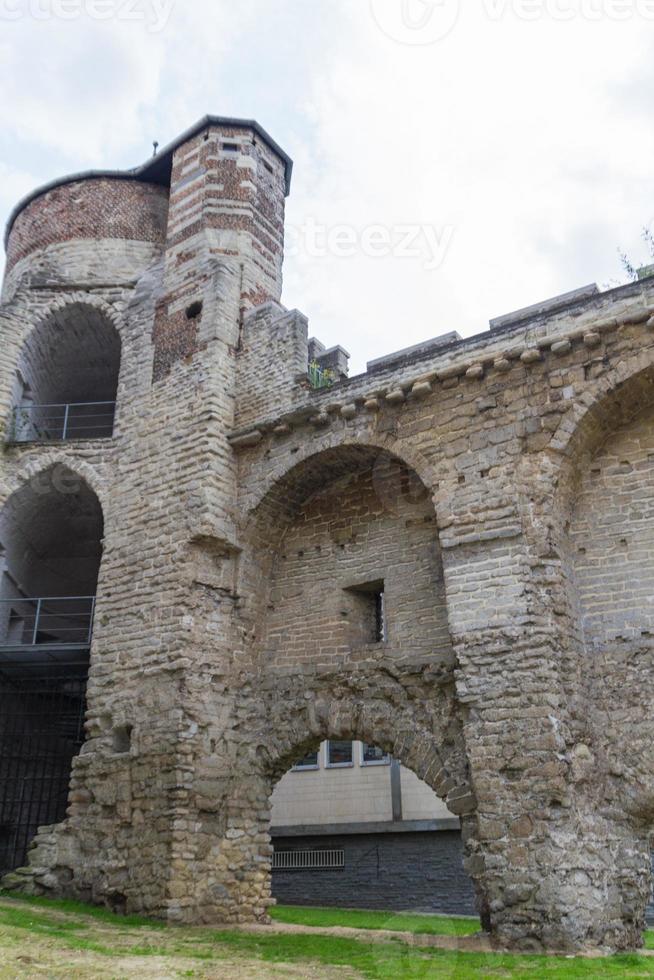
{"points": [[500, 487]]}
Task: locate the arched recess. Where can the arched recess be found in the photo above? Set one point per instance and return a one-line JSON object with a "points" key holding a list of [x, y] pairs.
{"points": [[51, 531], [67, 376], [607, 498], [607, 507]]}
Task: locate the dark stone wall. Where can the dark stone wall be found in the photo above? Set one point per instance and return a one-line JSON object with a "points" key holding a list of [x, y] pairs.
{"points": [[421, 872]]}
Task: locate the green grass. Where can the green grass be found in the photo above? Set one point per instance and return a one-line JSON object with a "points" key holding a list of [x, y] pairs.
{"points": [[429, 925], [80, 908], [395, 961], [73, 926]]}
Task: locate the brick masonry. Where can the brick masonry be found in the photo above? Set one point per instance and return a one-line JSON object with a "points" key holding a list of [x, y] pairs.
{"points": [[419, 872], [499, 485], [93, 209]]}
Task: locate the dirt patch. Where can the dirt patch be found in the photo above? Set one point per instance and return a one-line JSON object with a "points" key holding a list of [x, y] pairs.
{"points": [[28, 955], [34, 959]]}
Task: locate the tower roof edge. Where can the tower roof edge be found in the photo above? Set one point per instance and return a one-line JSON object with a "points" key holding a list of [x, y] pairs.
{"points": [[158, 169]]}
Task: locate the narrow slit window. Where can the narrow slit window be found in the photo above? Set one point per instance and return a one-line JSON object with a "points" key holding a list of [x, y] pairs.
{"points": [[380, 617], [368, 611]]}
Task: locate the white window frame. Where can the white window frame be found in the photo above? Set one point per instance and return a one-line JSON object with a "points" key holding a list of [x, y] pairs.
{"points": [[364, 763], [338, 765], [300, 768]]}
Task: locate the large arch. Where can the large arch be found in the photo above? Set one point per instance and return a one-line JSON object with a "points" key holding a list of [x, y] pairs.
{"points": [[423, 748], [67, 375], [342, 522]]}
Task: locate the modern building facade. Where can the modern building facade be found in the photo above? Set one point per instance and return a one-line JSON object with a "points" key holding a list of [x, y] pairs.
{"points": [[353, 827]]}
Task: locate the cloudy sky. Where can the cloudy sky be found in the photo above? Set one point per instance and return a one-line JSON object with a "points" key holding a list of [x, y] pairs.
{"points": [[451, 164]]}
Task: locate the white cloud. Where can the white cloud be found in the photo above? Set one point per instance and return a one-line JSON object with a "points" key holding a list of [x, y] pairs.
{"points": [[512, 132], [530, 140]]}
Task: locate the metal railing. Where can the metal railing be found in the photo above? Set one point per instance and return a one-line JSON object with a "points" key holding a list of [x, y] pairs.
{"points": [[80, 420], [27, 622], [326, 860]]}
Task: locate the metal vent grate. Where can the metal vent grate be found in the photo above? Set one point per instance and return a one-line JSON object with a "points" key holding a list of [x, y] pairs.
{"points": [[308, 860]]}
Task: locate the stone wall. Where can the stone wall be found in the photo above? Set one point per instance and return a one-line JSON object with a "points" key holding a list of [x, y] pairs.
{"points": [[206, 684]]}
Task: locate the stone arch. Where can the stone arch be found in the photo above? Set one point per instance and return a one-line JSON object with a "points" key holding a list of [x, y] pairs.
{"points": [[427, 744], [399, 694], [384, 714], [411, 713], [607, 424], [614, 399], [33, 466], [285, 472], [70, 357], [606, 502]]}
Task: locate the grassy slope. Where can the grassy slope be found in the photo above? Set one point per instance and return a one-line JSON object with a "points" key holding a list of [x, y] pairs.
{"points": [[70, 926], [435, 925]]}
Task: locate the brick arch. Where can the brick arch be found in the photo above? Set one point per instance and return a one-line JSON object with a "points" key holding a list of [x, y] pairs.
{"points": [[52, 532], [353, 501], [287, 471], [69, 301], [84, 299], [41, 463], [615, 400]]}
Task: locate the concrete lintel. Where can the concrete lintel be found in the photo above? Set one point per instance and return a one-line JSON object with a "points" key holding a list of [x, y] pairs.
{"points": [[378, 827]]}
